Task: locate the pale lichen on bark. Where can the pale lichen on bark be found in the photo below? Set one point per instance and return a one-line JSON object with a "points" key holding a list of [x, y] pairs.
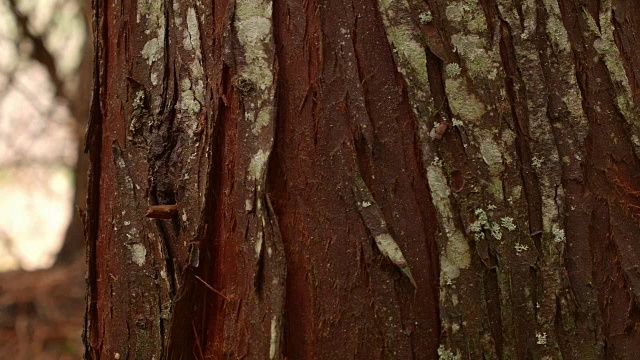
{"points": [[191, 115], [192, 90], [463, 103], [373, 218], [253, 25], [409, 53], [138, 253], [193, 44], [478, 95], [552, 109], [152, 12], [455, 254], [254, 85], [255, 81], [274, 343], [254, 28], [402, 35]]}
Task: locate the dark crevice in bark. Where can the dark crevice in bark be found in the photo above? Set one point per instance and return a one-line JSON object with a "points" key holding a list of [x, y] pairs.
{"points": [[363, 137], [168, 57], [517, 95], [93, 146], [534, 278], [490, 13], [436, 85], [423, 195], [560, 326], [213, 310], [259, 278], [494, 312]]}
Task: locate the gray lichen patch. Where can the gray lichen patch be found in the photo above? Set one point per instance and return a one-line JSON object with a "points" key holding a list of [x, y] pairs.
{"points": [[492, 155], [191, 39], [253, 26], [478, 61], [138, 253], [152, 50], [507, 222], [491, 152], [409, 53], [153, 14], [188, 101], [529, 11], [192, 85], [138, 100], [191, 42], [452, 70], [255, 79], [425, 17], [264, 117], [257, 165], [457, 253], [465, 14], [374, 220], [555, 28], [447, 354], [605, 44], [462, 102], [470, 41], [390, 249], [409, 50]]}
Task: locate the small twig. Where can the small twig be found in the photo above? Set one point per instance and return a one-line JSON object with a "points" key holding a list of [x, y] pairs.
{"points": [[168, 211], [195, 333], [365, 79], [211, 288]]}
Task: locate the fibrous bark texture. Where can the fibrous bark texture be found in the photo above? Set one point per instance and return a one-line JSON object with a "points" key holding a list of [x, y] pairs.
{"points": [[370, 179]]}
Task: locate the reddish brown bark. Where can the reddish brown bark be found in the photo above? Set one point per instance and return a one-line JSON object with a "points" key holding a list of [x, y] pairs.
{"points": [[365, 180]]}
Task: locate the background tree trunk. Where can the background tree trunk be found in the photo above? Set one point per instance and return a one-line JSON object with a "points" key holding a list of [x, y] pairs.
{"points": [[73, 245], [364, 180]]}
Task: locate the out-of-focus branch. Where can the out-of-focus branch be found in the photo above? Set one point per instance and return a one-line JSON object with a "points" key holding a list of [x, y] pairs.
{"points": [[40, 53], [75, 98]]}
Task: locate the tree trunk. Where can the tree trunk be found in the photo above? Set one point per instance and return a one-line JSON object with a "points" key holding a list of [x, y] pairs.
{"points": [[362, 179]]}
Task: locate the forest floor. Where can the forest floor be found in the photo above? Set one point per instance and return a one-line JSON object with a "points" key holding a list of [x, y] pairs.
{"points": [[42, 312]]}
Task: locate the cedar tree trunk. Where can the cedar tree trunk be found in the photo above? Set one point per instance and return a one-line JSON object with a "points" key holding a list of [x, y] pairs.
{"points": [[364, 179]]}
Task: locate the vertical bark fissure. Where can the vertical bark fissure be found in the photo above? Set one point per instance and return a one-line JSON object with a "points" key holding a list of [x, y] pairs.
{"points": [[611, 155], [90, 218], [606, 47], [569, 121]]}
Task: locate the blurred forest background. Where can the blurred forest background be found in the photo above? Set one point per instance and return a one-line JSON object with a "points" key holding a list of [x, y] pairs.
{"points": [[45, 85]]}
